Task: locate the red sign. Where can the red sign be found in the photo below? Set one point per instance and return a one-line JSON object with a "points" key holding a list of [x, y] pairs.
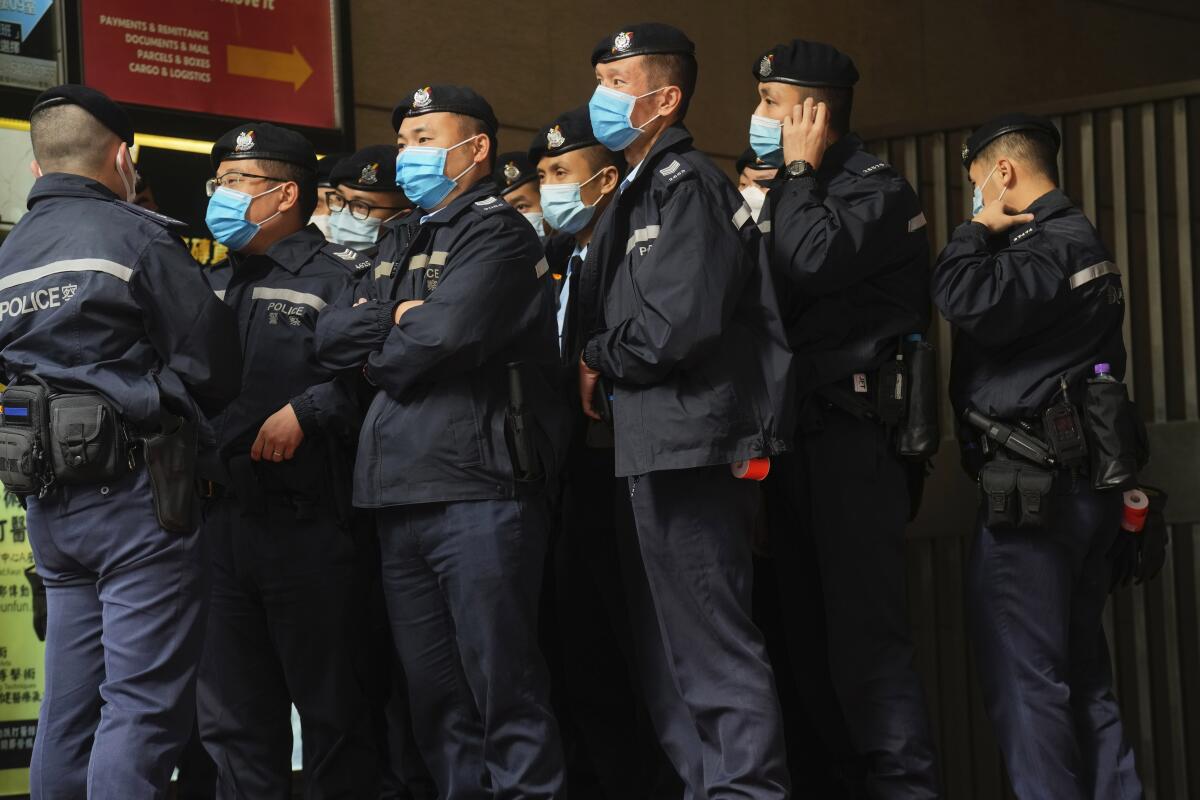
{"points": [[254, 59]]}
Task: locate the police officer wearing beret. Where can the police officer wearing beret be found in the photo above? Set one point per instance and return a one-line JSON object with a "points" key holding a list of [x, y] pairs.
{"points": [[365, 196], [615, 664], [286, 617], [101, 302], [453, 316], [517, 178], [1036, 304], [320, 215], [846, 241], [681, 329]]}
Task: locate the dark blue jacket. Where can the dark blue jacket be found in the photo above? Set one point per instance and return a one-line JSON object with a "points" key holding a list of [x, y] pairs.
{"points": [[850, 256], [277, 298], [1037, 302], [100, 295], [435, 430], [680, 317]]}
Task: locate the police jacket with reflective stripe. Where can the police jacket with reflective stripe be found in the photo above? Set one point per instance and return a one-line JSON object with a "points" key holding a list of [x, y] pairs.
{"points": [[680, 317], [278, 297], [100, 295], [1039, 301], [435, 429], [850, 256]]}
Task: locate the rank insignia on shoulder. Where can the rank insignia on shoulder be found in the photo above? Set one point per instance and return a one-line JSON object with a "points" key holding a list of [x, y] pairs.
{"points": [[346, 255], [489, 204], [1022, 235], [153, 216]]}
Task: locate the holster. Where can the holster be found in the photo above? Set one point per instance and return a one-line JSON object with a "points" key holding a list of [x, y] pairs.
{"points": [[1115, 435], [520, 432], [171, 462], [1015, 495], [919, 433]]}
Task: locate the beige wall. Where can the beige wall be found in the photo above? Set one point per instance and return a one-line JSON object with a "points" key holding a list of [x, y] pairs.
{"points": [[924, 63]]}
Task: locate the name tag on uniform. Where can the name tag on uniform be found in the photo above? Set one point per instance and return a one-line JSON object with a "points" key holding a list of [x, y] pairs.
{"points": [[860, 383]]}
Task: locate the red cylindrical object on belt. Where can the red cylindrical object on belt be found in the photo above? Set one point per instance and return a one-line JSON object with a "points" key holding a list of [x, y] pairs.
{"points": [[1133, 514], [753, 470]]}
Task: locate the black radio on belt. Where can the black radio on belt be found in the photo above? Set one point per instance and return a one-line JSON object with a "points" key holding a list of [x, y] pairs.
{"points": [[1064, 431]]}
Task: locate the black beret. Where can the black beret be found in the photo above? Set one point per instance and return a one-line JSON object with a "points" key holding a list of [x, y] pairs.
{"points": [[993, 129], [640, 40], [806, 64], [262, 140], [372, 169], [453, 99], [326, 165], [569, 131], [98, 104], [513, 171], [749, 158]]}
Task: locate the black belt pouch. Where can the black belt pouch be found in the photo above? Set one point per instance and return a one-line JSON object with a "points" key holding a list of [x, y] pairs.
{"points": [[1015, 495], [87, 442], [171, 462], [1111, 425], [23, 438]]}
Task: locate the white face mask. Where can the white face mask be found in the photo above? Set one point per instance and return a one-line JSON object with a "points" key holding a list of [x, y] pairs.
{"points": [[754, 196], [536, 219]]}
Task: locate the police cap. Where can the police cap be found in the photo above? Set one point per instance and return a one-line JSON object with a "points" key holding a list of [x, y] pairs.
{"points": [[371, 169], [806, 64], [749, 158], [445, 98], [513, 170], [993, 129], [96, 103], [569, 131], [262, 140], [326, 165], [647, 38]]}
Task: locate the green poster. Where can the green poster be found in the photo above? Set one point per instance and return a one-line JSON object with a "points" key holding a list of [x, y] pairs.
{"points": [[21, 654]]}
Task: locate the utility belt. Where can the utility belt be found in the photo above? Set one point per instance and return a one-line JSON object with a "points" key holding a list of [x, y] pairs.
{"points": [[902, 395], [1102, 440], [50, 438]]}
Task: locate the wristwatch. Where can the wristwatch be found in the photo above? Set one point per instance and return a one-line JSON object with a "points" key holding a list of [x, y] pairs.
{"points": [[797, 169]]}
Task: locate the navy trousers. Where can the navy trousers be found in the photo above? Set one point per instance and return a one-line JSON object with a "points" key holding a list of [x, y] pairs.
{"points": [[462, 581], [126, 609], [694, 529], [1035, 601], [286, 626], [856, 504]]}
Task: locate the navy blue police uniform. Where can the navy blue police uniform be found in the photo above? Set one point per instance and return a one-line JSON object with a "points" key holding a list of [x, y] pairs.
{"points": [[849, 253], [99, 295], [617, 691], [287, 615], [462, 543], [1031, 307], [682, 325]]}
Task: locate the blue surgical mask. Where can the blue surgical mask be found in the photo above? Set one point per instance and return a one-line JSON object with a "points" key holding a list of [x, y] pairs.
{"points": [[421, 174], [977, 195], [535, 219], [612, 113], [226, 216], [564, 207], [347, 229], [766, 139]]}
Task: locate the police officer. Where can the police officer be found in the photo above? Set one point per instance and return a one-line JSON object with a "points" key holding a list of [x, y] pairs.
{"points": [[286, 619], [615, 664], [365, 196], [320, 215], [517, 178], [1036, 303], [100, 296], [682, 327], [454, 313], [754, 178], [847, 247]]}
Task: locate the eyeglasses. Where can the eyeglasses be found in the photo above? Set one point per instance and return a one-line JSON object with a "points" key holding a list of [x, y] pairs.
{"points": [[358, 209], [232, 180]]}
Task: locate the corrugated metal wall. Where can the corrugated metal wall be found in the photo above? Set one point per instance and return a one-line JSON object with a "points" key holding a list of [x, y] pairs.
{"points": [[1131, 163]]}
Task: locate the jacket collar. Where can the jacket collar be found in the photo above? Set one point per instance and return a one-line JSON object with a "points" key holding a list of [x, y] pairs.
{"points": [[837, 153], [1049, 204], [292, 251], [674, 139], [484, 188], [66, 184]]}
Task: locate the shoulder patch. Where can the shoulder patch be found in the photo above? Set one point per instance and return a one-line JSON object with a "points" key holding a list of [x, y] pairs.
{"points": [[153, 216], [490, 205], [672, 170], [863, 163], [1022, 233], [341, 252]]}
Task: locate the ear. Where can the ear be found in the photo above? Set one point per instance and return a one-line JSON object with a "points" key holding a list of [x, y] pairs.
{"points": [[669, 100], [35, 168], [610, 176], [1006, 172], [289, 196], [481, 149]]}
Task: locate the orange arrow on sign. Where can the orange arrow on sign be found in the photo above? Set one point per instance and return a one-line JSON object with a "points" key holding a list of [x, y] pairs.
{"points": [[252, 62]]}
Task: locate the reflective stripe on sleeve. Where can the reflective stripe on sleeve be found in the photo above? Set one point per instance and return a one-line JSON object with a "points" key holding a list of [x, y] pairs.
{"points": [[1089, 274], [916, 223], [70, 265], [642, 235]]}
